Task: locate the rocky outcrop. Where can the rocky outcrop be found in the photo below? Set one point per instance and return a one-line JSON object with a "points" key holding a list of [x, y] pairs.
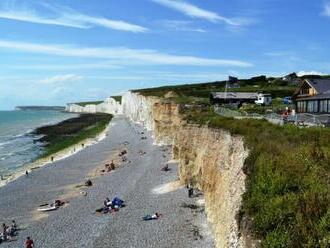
{"points": [[210, 159]]}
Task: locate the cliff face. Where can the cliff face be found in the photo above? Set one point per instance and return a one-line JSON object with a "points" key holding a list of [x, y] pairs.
{"points": [[109, 106], [167, 120], [139, 108], [211, 160]]}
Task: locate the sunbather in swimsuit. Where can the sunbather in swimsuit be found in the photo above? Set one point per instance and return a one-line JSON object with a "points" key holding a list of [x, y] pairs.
{"points": [[151, 217]]}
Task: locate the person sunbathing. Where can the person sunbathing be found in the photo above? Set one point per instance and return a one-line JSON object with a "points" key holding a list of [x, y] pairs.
{"points": [[107, 202], [142, 152], [155, 216], [88, 183], [58, 203]]}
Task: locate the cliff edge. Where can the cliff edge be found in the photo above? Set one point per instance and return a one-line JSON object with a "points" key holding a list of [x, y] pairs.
{"points": [[209, 159]]}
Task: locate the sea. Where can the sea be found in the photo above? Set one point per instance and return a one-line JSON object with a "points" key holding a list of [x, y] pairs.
{"points": [[18, 146]]}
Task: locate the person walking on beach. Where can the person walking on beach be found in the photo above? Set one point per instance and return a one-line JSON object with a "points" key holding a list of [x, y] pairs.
{"points": [[112, 165], [14, 227], [26, 173], [190, 190], [29, 243], [4, 232]]}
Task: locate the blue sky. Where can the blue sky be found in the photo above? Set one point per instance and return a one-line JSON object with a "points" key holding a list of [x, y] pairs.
{"points": [[59, 51]]}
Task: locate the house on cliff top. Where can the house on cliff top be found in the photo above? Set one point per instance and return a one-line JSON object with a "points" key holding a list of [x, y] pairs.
{"points": [[313, 96], [238, 98]]}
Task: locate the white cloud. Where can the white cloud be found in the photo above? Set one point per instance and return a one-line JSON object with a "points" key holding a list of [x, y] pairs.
{"points": [[65, 67], [326, 9], [68, 18], [178, 25], [283, 55], [59, 79], [277, 54], [197, 12], [121, 55], [159, 75], [304, 73]]}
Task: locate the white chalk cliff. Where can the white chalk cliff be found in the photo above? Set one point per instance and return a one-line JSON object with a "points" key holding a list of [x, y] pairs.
{"points": [[109, 106], [210, 159]]}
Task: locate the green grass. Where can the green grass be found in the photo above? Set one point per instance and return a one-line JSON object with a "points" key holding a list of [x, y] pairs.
{"points": [[288, 169], [288, 180], [83, 104], [277, 88], [277, 106], [117, 98], [70, 132]]}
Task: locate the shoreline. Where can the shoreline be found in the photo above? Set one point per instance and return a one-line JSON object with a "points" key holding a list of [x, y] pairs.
{"points": [[141, 183], [60, 155]]}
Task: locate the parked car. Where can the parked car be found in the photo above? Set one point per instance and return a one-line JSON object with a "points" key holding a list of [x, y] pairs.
{"points": [[287, 100]]}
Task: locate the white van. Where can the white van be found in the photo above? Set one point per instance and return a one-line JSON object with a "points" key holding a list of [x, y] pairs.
{"points": [[264, 99]]}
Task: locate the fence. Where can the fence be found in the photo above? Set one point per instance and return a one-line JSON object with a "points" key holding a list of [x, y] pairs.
{"points": [[303, 119]]}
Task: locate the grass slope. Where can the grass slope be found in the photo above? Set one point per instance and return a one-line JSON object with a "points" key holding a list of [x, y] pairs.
{"points": [[69, 132], [201, 92], [117, 98], [84, 104]]}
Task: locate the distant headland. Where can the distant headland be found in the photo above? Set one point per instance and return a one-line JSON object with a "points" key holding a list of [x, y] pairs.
{"points": [[40, 108]]}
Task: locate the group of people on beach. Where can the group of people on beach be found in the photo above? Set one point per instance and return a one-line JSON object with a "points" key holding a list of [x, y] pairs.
{"points": [[123, 157], [110, 167], [8, 232], [111, 206], [108, 205]]}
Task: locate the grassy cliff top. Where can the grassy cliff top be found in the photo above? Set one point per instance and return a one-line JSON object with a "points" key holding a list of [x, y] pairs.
{"points": [[117, 98], [287, 200], [83, 104], [275, 86]]}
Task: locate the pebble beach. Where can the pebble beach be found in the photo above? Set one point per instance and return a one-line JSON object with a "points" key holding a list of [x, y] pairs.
{"points": [[139, 182]]}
